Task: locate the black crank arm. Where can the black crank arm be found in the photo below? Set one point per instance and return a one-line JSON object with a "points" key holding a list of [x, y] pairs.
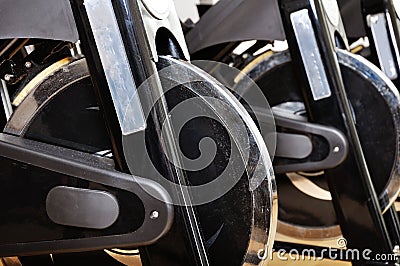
{"points": [[298, 146], [337, 146], [42, 171]]}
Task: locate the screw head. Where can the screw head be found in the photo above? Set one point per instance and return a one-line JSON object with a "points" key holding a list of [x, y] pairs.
{"points": [[154, 215], [8, 77], [28, 64], [374, 19], [396, 250]]}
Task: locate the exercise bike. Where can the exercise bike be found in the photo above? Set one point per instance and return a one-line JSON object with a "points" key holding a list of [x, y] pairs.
{"points": [[93, 157], [316, 82]]}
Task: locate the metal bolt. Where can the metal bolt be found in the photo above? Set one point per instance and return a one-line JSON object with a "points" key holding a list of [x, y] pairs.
{"points": [[336, 149], [28, 64], [8, 77], [374, 19], [245, 56], [154, 215], [396, 250]]}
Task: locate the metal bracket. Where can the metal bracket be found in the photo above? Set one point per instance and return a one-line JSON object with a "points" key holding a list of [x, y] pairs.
{"points": [[307, 43], [310, 54], [381, 19], [116, 67], [384, 44]]}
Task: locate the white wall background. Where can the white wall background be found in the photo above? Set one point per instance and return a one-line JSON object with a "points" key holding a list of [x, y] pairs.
{"points": [[187, 8]]}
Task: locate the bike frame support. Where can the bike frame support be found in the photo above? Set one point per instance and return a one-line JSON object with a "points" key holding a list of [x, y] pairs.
{"points": [[326, 102]]}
